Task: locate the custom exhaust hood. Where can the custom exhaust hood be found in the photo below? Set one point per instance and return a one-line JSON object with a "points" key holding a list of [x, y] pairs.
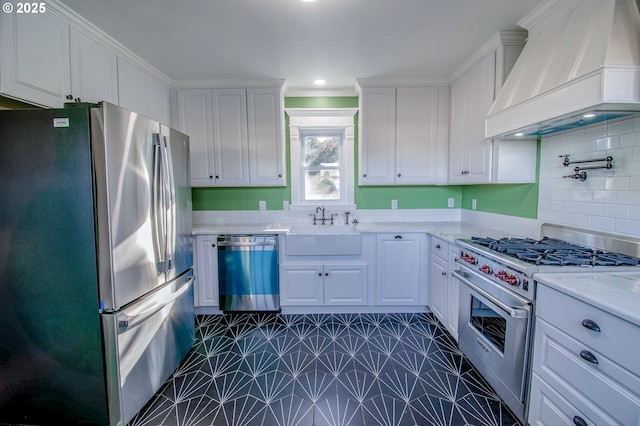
{"points": [[581, 65]]}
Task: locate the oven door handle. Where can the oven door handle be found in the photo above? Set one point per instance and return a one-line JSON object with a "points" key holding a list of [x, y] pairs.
{"points": [[518, 312]]}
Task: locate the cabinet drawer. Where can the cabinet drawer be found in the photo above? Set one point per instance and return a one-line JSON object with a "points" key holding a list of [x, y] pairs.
{"points": [[548, 408], [618, 339], [592, 388], [440, 248]]}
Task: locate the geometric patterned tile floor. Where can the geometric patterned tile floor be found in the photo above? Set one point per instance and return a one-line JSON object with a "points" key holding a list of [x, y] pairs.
{"points": [[324, 370]]}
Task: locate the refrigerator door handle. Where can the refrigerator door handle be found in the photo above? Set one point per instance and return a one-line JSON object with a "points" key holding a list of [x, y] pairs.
{"points": [[170, 203], [128, 322], [158, 205]]}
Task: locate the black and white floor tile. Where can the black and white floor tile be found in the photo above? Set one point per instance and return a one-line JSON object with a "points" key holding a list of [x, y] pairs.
{"points": [[324, 370]]}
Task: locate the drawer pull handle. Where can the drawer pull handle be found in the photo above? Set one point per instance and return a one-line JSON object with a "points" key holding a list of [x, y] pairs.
{"points": [[588, 356], [579, 421], [591, 325]]}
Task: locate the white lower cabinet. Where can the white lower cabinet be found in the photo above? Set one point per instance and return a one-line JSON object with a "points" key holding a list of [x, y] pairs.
{"points": [[319, 284], [401, 269], [585, 368], [206, 271], [443, 295]]}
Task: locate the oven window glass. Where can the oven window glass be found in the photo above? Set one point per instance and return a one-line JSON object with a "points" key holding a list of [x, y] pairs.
{"points": [[488, 322]]}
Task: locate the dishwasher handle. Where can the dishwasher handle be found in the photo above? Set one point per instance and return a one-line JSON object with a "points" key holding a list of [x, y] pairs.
{"points": [[246, 243]]}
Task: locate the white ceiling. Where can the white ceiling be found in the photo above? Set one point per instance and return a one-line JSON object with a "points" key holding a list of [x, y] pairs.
{"points": [[338, 40]]}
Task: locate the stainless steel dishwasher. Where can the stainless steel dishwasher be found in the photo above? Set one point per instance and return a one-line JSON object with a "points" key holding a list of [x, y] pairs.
{"points": [[248, 273]]}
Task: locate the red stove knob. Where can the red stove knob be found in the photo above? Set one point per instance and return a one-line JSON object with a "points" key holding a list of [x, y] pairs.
{"points": [[511, 280], [469, 259], [507, 278], [486, 269]]}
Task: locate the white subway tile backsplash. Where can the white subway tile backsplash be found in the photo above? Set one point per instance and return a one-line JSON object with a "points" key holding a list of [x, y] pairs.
{"points": [[581, 221], [603, 224], [627, 227], [609, 200], [616, 211], [631, 198]]}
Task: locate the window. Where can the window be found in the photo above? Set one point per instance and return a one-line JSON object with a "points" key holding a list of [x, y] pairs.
{"points": [[322, 156], [322, 164]]}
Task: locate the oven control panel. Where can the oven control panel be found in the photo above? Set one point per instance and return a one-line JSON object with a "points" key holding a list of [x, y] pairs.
{"points": [[493, 270]]}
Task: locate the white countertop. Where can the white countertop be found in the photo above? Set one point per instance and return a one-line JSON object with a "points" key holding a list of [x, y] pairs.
{"points": [[448, 231], [615, 292]]}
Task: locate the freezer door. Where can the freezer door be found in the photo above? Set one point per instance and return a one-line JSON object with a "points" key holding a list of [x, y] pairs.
{"points": [[179, 239], [145, 343], [131, 229]]}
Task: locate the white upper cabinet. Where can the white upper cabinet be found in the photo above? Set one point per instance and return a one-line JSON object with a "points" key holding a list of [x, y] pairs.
{"points": [[403, 135], [472, 159], [52, 58], [94, 70], [236, 134], [266, 136], [35, 58], [141, 93], [471, 97]]}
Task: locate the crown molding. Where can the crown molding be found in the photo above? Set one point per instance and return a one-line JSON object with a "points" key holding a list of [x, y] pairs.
{"points": [[225, 83]]}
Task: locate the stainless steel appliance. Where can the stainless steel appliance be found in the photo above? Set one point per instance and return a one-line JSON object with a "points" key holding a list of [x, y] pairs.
{"points": [[497, 296], [248, 273], [96, 295]]}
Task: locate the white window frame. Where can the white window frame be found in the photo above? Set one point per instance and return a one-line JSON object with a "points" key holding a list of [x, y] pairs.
{"points": [[340, 119]]}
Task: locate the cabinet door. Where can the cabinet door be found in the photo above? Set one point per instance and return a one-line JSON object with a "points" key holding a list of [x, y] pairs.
{"points": [[453, 286], [459, 129], [206, 270], [378, 132], [301, 285], [265, 129], [345, 284], [132, 88], [94, 70], [195, 119], [158, 101], [416, 135], [398, 274], [482, 94], [35, 58], [438, 285], [230, 137]]}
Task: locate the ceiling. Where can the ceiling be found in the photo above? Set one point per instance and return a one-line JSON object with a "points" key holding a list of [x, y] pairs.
{"points": [[337, 40]]}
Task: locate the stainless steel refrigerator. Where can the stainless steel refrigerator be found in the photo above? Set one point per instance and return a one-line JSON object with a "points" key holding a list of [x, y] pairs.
{"points": [[96, 281]]}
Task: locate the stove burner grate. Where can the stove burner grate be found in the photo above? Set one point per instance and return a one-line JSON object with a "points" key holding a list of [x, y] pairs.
{"points": [[550, 251]]}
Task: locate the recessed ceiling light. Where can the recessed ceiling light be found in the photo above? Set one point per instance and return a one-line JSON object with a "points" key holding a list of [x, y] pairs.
{"points": [[318, 82], [519, 134], [308, 1], [590, 115]]}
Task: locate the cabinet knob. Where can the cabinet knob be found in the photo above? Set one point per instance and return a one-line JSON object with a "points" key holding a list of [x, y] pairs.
{"points": [[437, 246], [399, 174], [210, 176], [213, 245], [319, 274], [444, 273], [217, 177], [69, 97], [279, 175], [591, 325], [579, 421], [326, 274]]}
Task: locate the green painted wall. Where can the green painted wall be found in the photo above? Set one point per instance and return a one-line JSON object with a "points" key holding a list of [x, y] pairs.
{"points": [[491, 198]]}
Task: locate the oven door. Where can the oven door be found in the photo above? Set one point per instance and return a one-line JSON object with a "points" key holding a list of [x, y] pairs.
{"points": [[494, 326]]}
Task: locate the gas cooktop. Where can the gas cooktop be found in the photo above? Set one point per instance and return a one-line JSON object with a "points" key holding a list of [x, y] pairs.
{"points": [[555, 252]]}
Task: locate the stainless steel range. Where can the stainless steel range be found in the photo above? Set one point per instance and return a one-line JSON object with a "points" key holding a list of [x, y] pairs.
{"points": [[497, 296]]}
